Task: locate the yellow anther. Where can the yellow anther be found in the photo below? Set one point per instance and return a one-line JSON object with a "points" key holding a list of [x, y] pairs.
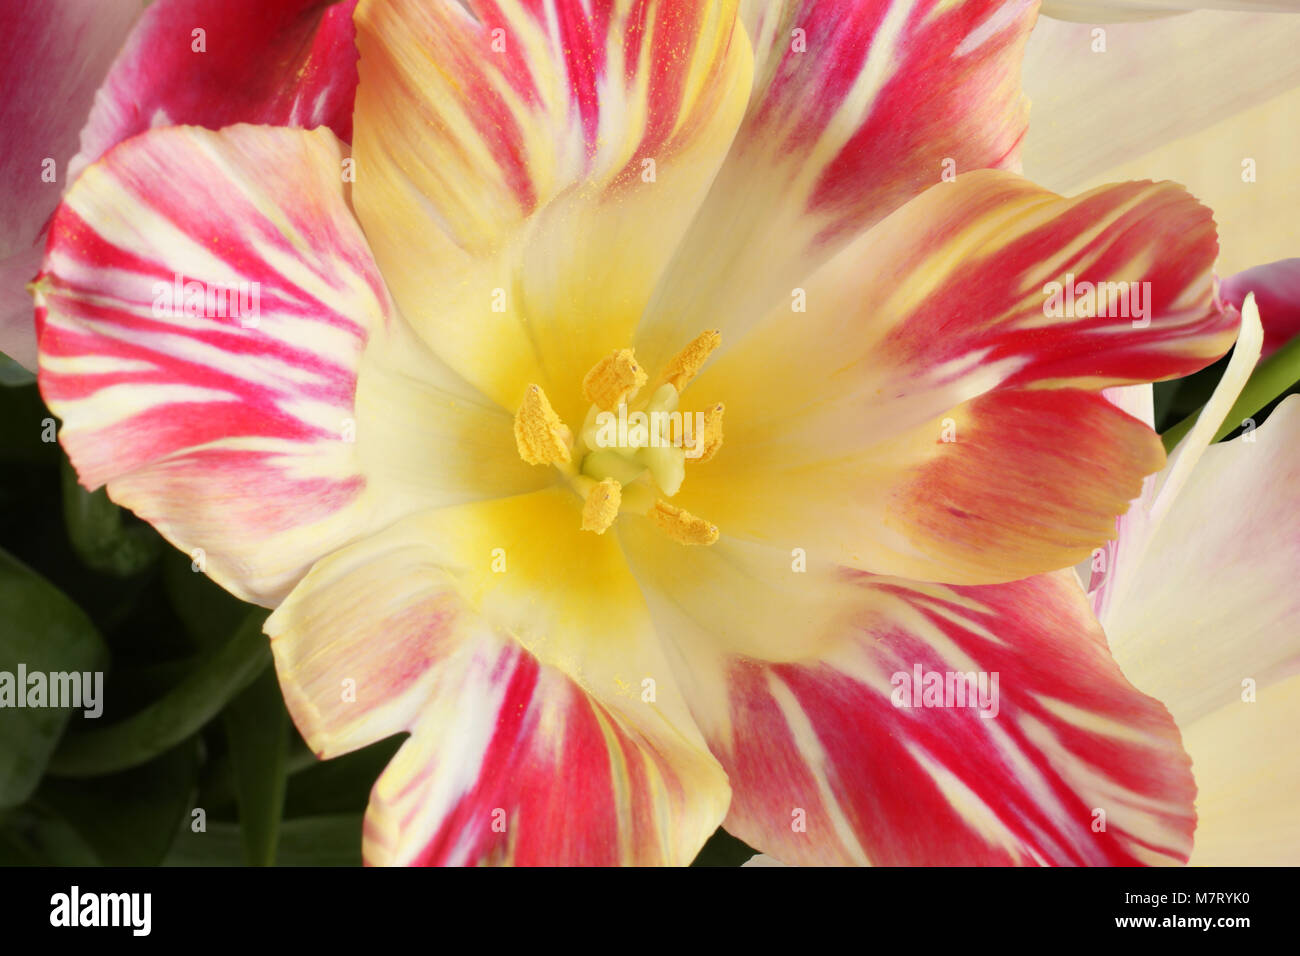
{"points": [[683, 366], [709, 440], [614, 380], [682, 526], [541, 437], [601, 507]]}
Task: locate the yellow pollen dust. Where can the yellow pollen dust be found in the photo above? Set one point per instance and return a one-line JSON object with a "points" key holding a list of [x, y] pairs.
{"points": [[541, 437], [710, 437], [682, 526], [601, 506], [684, 366], [613, 380]]}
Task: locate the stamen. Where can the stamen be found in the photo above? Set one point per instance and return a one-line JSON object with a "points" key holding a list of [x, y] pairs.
{"points": [[682, 526], [684, 366], [614, 380], [601, 507], [541, 437], [636, 462], [709, 440]]}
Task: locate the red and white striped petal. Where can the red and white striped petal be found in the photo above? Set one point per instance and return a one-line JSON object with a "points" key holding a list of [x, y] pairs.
{"points": [[525, 169], [858, 105], [924, 426], [970, 265], [53, 55], [222, 414], [576, 750], [214, 63], [833, 760], [513, 762]]}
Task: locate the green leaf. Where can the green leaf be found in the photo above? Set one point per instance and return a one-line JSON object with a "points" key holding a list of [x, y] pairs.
{"points": [[12, 374], [28, 432], [217, 786], [321, 841], [174, 717], [100, 533], [308, 841], [37, 836], [46, 632], [1272, 377], [130, 818], [131, 688], [208, 611], [258, 728], [341, 785], [1173, 399], [723, 849]]}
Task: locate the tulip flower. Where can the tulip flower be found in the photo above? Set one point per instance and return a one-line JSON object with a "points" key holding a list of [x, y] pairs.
{"points": [[364, 386]]}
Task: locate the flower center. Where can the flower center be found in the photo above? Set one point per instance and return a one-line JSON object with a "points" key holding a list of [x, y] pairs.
{"points": [[629, 455]]}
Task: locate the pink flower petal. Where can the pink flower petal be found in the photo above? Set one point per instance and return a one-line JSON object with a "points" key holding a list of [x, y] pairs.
{"points": [[533, 739], [1277, 295], [277, 62], [858, 105], [225, 427], [537, 165], [53, 56], [924, 414], [835, 758]]}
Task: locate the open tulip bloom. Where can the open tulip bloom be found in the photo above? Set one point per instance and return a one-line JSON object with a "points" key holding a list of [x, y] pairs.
{"points": [[683, 414]]}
